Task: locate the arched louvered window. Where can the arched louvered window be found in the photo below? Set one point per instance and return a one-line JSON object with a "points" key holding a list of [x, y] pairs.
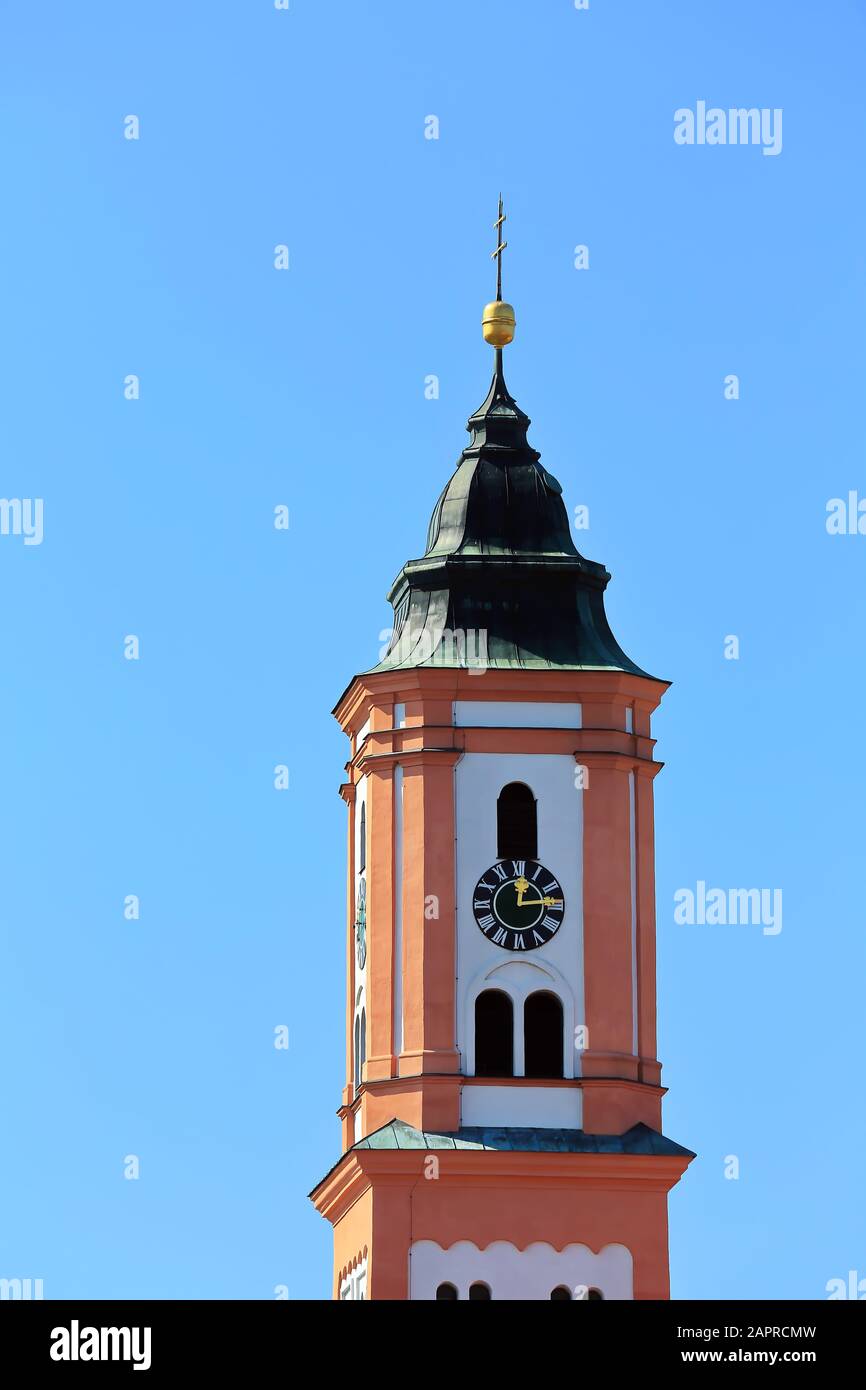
{"points": [[446, 1293], [362, 839], [494, 1034], [516, 823], [543, 1035]]}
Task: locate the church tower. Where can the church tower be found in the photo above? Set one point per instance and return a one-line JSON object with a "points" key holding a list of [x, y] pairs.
{"points": [[501, 1116]]}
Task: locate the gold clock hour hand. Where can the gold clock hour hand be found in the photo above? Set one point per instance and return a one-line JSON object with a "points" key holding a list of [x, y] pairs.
{"points": [[521, 884]]}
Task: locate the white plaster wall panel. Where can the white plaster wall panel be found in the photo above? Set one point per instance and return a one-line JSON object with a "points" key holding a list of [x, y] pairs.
{"points": [[479, 778], [544, 1107], [514, 1274], [516, 714]]}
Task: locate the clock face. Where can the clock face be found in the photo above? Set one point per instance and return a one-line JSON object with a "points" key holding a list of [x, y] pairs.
{"points": [[518, 904], [361, 925]]}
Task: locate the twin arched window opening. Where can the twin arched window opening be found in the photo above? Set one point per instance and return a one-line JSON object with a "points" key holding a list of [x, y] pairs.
{"points": [[478, 1292], [542, 1034]]}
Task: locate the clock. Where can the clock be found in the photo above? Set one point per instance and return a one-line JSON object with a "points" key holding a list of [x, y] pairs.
{"points": [[361, 925], [518, 904]]}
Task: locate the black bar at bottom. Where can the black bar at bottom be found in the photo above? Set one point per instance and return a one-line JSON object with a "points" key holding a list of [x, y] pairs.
{"points": [[216, 1339]]}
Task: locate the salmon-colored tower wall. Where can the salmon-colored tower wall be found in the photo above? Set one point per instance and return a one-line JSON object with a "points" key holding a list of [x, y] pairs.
{"points": [[378, 1200]]}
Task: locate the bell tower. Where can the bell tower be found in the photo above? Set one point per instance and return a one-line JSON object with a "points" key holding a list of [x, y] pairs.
{"points": [[501, 1116]]}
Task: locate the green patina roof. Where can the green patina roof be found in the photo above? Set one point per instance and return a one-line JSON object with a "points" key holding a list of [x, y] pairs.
{"points": [[640, 1139], [501, 583]]}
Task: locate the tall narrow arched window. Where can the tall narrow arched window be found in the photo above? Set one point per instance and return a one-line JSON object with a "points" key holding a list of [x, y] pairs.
{"points": [[594, 1296], [362, 839], [446, 1293], [561, 1294], [494, 1034], [516, 823], [360, 1044], [542, 1034], [480, 1293]]}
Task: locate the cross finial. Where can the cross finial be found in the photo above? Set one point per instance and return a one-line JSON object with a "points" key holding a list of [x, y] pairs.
{"points": [[497, 323], [500, 247]]}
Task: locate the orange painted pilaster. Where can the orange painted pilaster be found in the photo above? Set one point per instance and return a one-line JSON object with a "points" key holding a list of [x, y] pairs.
{"points": [[607, 919], [650, 1069], [429, 914], [380, 921]]}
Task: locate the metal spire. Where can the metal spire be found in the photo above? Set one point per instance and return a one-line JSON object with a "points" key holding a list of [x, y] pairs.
{"points": [[497, 322], [500, 247]]}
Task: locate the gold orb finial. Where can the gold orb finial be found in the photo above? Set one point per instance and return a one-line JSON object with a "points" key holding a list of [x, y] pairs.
{"points": [[498, 321]]}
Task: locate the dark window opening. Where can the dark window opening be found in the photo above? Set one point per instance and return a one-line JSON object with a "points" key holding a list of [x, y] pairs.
{"points": [[446, 1293], [480, 1291], [494, 1034], [362, 839], [594, 1295], [542, 1031], [561, 1295], [516, 823]]}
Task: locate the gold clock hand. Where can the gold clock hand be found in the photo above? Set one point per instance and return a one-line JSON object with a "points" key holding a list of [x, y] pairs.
{"points": [[521, 884]]}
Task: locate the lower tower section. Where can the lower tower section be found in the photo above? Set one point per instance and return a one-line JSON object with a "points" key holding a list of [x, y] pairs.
{"points": [[518, 1214]]}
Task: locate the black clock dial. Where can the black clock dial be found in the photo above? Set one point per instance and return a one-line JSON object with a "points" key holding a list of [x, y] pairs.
{"points": [[518, 904], [361, 925]]}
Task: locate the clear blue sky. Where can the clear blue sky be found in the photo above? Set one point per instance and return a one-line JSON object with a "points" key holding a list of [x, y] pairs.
{"points": [[306, 388]]}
